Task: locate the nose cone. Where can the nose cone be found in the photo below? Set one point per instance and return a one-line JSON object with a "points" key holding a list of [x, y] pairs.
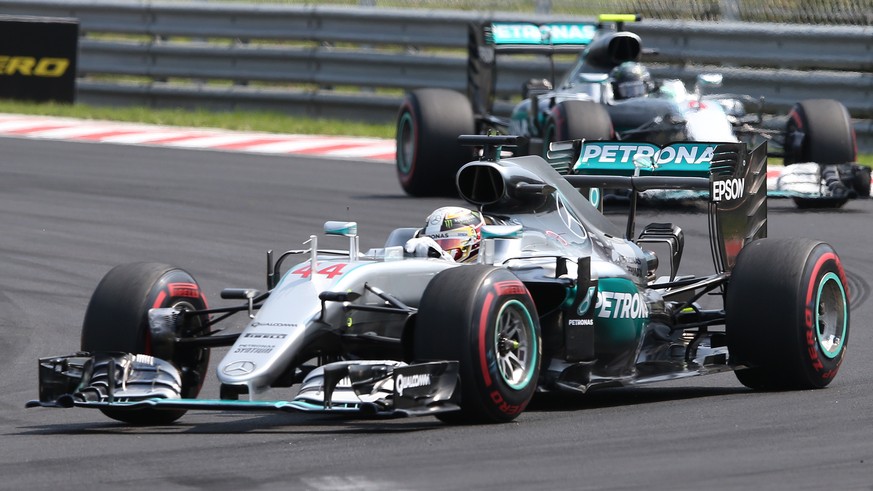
{"points": [[267, 345]]}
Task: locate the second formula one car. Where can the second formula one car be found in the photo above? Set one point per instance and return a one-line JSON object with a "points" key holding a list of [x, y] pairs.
{"points": [[609, 94], [558, 298]]}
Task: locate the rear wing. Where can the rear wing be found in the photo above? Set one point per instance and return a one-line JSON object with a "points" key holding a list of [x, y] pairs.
{"points": [[734, 177], [487, 40], [548, 37], [691, 159], [527, 37]]}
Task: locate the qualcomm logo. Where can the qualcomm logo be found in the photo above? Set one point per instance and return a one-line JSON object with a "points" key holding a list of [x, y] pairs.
{"points": [[412, 381], [238, 368]]}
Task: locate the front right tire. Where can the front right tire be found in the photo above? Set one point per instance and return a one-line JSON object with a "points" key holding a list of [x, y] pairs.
{"points": [[485, 318], [821, 131], [861, 181]]}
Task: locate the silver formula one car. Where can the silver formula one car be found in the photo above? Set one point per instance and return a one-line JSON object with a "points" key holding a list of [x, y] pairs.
{"points": [[560, 299]]}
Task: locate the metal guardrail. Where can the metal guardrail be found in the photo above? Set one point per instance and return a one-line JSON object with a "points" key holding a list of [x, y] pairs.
{"points": [[339, 61]]}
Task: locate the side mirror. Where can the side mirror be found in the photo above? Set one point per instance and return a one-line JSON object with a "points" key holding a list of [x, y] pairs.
{"points": [[499, 241], [710, 79], [345, 229], [706, 80]]}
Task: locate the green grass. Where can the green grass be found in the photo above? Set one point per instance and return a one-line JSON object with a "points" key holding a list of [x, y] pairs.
{"points": [[865, 159], [236, 120]]}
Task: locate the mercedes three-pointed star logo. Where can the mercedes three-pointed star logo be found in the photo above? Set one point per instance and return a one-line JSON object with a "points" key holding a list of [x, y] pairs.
{"points": [[239, 368]]}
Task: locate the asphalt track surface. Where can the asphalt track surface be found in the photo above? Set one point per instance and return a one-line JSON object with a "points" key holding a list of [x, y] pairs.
{"points": [[71, 211]]}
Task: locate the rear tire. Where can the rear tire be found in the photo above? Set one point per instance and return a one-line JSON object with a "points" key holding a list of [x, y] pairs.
{"points": [[819, 203], [861, 180], [428, 154], [117, 320], [485, 318], [574, 120], [787, 314], [821, 131]]}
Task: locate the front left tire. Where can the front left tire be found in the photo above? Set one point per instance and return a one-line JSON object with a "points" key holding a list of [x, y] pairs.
{"points": [[116, 320]]}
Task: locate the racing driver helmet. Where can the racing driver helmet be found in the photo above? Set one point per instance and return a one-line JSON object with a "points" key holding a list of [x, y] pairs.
{"points": [[631, 79], [457, 230]]}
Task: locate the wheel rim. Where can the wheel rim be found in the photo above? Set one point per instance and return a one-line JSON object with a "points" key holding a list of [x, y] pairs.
{"points": [[185, 305], [405, 143], [178, 305], [186, 360], [515, 344], [830, 315]]}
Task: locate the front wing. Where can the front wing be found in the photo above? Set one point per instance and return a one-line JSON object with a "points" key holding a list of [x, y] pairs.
{"points": [[806, 181], [369, 388], [359, 409]]}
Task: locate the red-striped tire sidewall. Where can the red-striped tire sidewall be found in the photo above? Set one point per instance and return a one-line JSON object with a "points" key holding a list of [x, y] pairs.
{"points": [[820, 369], [497, 398]]}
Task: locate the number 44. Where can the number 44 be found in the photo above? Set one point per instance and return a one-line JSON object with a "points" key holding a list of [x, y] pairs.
{"points": [[330, 271]]}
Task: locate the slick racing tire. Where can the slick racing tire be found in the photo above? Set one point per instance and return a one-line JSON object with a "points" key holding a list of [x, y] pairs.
{"points": [[117, 320], [787, 314], [574, 120], [821, 131], [428, 154], [823, 203], [861, 180], [484, 318]]}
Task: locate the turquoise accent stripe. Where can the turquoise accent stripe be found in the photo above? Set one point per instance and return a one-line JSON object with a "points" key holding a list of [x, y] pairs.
{"points": [[534, 349], [224, 405], [341, 228], [617, 158], [835, 350], [558, 33], [502, 232]]}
